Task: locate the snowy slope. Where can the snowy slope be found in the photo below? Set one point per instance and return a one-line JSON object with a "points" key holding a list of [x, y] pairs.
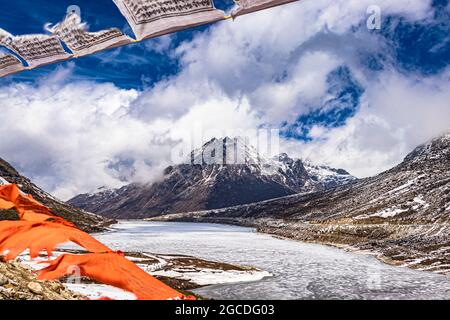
{"points": [[326, 176]]}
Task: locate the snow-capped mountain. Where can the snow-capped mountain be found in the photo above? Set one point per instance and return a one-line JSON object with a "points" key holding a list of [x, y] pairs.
{"points": [[84, 220], [223, 173], [418, 189], [402, 214], [327, 177]]}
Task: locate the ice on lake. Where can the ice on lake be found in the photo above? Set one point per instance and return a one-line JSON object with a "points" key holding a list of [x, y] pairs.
{"points": [[300, 270]]}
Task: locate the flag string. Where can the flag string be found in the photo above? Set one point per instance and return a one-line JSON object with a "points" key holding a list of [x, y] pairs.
{"points": [[40, 50]]}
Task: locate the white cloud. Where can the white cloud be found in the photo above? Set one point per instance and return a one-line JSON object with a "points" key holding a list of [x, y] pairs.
{"points": [[76, 137], [398, 113], [160, 45], [261, 69], [61, 135], [277, 58], [306, 86]]}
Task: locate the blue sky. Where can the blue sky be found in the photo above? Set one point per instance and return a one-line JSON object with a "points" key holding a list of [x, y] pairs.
{"points": [[340, 94]]}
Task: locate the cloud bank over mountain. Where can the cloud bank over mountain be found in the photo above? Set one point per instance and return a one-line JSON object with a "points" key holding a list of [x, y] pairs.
{"points": [[340, 94]]}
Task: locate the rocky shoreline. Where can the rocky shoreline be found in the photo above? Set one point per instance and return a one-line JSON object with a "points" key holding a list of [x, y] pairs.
{"points": [[393, 247], [421, 247], [18, 283]]}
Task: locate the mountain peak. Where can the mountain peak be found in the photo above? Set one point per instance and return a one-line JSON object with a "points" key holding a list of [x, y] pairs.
{"points": [[284, 158], [223, 172], [432, 152], [6, 169], [226, 151]]}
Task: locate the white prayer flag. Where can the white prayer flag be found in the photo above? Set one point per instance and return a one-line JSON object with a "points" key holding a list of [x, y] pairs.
{"points": [[37, 50], [9, 65], [75, 35], [153, 18], [249, 6]]}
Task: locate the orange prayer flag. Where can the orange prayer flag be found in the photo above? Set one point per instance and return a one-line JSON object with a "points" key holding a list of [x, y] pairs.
{"points": [[36, 232], [111, 269], [8, 196], [28, 208], [6, 205], [17, 236], [8, 228], [31, 210]]}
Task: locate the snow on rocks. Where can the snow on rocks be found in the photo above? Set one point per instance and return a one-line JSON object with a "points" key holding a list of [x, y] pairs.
{"points": [[95, 291], [207, 277], [3, 181], [388, 213], [420, 203]]}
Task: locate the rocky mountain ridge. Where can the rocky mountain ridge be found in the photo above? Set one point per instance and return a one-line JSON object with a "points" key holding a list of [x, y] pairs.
{"points": [[223, 173]]}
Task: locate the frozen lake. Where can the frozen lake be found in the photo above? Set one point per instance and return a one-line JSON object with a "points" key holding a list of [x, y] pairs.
{"points": [[300, 270]]}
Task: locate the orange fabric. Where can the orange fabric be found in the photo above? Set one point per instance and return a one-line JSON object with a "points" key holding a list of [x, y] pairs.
{"points": [[40, 229], [31, 210], [28, 208], [112, 269], [8, 228], [17, 236], [6, 205], [8, 196]]}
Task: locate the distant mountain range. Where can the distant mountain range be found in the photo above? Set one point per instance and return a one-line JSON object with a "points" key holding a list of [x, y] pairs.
{"points": [[84, 220], [212, 181], [403, 214]]}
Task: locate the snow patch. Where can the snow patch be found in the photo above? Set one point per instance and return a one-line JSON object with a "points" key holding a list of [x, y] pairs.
{"points": [[388, 213], [403, 186], [325, 174], [3, 182], [97, 291], [204, 277], [420, 203]]}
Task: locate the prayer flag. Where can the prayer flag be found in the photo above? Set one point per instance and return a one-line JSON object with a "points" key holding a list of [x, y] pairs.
{"points": [[75, 35], [36, 49], [9, 65], [249, 6], [153, 18]]}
